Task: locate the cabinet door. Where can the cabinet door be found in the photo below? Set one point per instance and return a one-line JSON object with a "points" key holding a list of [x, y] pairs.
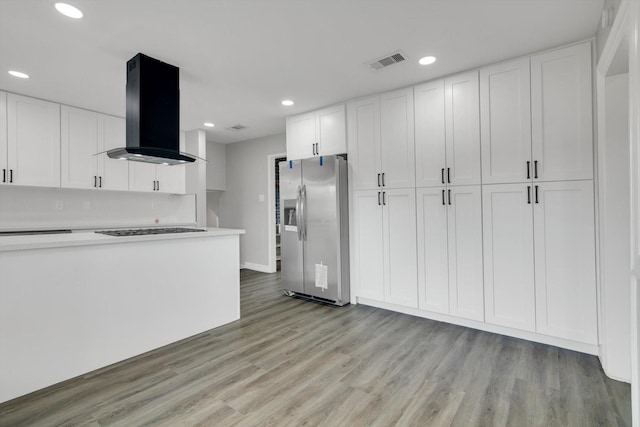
{"points": [[331, 131], [367, 255], [433, 262], [505, 112], [78, 146], [301, 135], [142, 176], [561, 108], [114, 173], [565, 261], [399, 234], [430, 134], [33, 141], [462, 107], [397, 139], [466, 297], [508, 255], [171, 179], [3, 138], [363, 117]]}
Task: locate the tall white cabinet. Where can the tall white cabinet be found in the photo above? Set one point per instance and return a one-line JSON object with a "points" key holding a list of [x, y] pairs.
{"points": [[33, 142]]}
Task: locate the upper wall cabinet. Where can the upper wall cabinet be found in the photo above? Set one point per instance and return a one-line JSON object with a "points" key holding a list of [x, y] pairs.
{"points": [[84, 134], [431, 160], [381, 141], [148, 177], [33, 142], [319, 133], [505, 107], [3, 137], [561, 114]]}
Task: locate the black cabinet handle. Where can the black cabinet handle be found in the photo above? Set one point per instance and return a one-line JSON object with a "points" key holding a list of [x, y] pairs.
{"points": [[449, 175], [442, 175], [379, 199], [384, 198], [317, 149], [443, 197], [313, 148], [100, 181], [528, 194], [528, 169], [4, 175], [535, 169], [95, 181], [158, 185], [383, 179], [536, 194], [378, 180], [449, 196], [10, 175], [154, 185]]}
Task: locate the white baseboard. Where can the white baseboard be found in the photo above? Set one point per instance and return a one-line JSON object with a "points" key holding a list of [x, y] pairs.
{"points": [[257, 267]]}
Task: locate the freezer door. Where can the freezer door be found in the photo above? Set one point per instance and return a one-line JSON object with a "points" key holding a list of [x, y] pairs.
{"points": [[320, 212], [290, 230]]}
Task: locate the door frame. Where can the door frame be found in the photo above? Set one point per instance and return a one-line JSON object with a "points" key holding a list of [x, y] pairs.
{"points": [[271, 212]]}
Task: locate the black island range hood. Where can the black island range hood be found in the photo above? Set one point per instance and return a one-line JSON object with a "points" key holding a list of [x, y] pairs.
{"points": [[153, 113]]}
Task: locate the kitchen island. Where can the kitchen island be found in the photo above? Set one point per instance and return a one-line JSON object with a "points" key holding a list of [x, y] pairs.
{"points": [[73, 303]]}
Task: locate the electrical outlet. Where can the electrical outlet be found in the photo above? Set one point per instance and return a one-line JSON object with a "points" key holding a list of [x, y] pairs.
{"points": [[260, 198]]}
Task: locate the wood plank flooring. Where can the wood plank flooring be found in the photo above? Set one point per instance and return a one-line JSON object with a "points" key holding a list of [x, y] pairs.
{"points": [[289, 362]]}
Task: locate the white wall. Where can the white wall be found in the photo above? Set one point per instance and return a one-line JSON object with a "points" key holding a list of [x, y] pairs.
{"points": [[196, 174], [29, 208], [240, 205], [615, 261]]}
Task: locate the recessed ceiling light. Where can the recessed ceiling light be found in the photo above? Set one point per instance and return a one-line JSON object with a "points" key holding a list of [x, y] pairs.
{"points": [[427, 60], [287, 102], [209, 125], [19, 74], [68, 10]]}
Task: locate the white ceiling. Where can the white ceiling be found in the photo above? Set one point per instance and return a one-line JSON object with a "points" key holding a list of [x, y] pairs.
{"points": [[239, 58]]}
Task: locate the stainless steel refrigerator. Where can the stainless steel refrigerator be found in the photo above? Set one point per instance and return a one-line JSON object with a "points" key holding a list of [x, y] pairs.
{"points": [[314, 233]]}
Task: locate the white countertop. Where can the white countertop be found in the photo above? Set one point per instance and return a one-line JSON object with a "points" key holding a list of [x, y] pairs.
{"points": [[84, 237]]}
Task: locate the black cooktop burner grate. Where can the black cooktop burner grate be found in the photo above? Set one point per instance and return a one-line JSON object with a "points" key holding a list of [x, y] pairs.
{"points": [[147, 231]]}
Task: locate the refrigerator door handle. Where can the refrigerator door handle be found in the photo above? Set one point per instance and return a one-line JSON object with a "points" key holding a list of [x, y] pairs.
{"points": [[303, 214], [298, 225]]}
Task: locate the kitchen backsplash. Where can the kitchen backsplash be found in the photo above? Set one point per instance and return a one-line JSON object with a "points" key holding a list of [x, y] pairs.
{"points": [[26, 208]]}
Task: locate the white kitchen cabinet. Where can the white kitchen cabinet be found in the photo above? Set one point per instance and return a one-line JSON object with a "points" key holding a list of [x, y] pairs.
{"points": [[33, 142], [84, 134], [561, 114], [384, 264], [319, 133], [3, 137], [508, 255], [464, 225], [433, 256], [381, 141], [505, 109], [397, 139], [430, 138], [149, 177], [462, 120], [367, 255], [363, 126], [564, 245]]}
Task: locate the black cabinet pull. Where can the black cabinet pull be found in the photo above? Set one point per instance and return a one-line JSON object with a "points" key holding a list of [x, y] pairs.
{"points": [[10, 175], [443, 203], [100, 181], [383, 179], [95, 180], [379, 199], [442, 175], [4, 175], [384, 198], [158, 185], [536, 194], [378, 180], [449, 196], [317, 149], [154, 185], [313, 148], [528, 194], [449, 175], [528, 169], [535, 169]]}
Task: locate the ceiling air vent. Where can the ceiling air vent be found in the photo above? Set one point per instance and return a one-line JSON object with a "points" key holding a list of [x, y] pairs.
{"points": [[390, 59], [237, 128]]}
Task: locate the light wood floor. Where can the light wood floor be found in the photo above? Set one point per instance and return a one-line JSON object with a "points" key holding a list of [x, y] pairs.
{"points": [[289, 362]]}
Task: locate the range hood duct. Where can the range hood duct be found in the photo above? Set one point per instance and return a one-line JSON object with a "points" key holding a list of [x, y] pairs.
{"points": [[153, 113]]}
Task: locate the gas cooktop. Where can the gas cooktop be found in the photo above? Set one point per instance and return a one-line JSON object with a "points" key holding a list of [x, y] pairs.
{"points": [[147, 231]]}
